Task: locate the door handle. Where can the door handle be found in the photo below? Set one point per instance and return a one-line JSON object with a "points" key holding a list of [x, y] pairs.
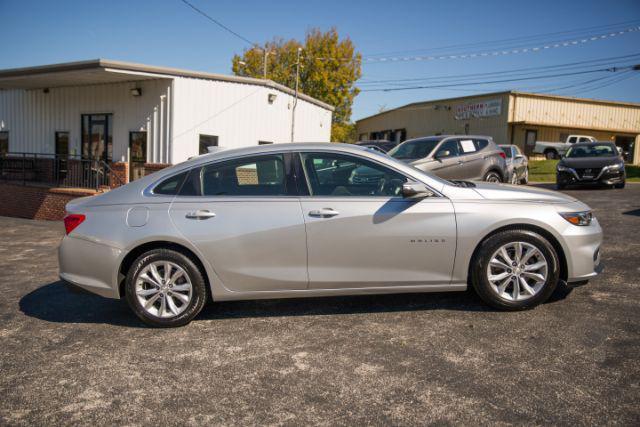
{"points": [[324, 213], [201, 214]]}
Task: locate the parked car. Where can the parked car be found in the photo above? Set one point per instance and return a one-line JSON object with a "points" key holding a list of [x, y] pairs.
{"points": [[293, 220], [591, 163], [517, 164], [379, 145], [555, 150], [455, 157]]}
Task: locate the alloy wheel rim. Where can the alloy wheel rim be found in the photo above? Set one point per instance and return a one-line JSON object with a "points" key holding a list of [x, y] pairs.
{"points": [[493, 178], [163, 289], [517, 271]]}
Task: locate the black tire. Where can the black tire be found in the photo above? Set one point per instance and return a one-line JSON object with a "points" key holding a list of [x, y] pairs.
{"points": [[199, 291], [492, 176], [525, 179], [481, 261], [621, 185], [560, 186], [551, 154]]}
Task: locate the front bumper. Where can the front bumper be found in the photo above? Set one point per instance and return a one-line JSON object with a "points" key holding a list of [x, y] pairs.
{"points": [[583, 255], [604, 177], [89, 265]]}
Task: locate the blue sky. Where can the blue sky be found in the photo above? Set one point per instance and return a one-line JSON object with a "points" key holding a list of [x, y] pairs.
{"points": [[166, 32]]}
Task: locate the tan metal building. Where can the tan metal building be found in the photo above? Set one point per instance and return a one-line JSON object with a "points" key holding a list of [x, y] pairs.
{"points": [[512, 118]]}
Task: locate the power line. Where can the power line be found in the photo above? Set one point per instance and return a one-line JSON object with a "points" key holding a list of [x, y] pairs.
{"points": [[394, 89], [218, 23], [528, 70], [511, 40]]}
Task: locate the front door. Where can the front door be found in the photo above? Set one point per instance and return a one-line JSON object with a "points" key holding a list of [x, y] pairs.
{"points": [[138, 154], [530, 139], [362, 233], [447, 163], [243, 217], [62, 155], [97, 142]]}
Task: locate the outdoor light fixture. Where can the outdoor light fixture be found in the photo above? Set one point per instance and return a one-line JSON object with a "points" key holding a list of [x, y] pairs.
{"points": [[271, 98], [136, 91]]}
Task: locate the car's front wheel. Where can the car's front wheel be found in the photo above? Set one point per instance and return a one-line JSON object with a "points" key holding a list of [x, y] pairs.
{"points": [[515, 270], [525, 179], [165, 288]]}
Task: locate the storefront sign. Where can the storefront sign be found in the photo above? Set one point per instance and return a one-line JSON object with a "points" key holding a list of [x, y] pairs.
{"points": [[492, 107]]}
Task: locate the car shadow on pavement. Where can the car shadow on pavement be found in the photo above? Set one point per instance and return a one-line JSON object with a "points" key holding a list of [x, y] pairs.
{"points": [[56, 302]]}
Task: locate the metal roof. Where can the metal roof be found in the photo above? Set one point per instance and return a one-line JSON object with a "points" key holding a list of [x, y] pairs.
{"points": [[100, 71]]}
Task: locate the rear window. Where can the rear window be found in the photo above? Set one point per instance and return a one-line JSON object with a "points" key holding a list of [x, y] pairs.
{"points": [[171, 185]]}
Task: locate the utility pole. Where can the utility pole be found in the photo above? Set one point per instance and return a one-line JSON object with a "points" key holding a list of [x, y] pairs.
{"points": [[295, 101], [264, 70]]}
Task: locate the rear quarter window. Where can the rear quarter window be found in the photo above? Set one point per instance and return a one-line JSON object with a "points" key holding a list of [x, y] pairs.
{"points": [[170, 186], [480, 143]]}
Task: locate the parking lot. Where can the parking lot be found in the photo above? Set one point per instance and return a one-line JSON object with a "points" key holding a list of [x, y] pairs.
{"points": [[75, 358]]}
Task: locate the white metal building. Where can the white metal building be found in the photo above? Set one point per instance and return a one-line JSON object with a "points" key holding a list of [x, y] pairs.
{"points": [[123, 111]]}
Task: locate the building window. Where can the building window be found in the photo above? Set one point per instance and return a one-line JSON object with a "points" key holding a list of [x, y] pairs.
{"points": [[4, 142], [264, 142], [97, 140], [207, 141]]}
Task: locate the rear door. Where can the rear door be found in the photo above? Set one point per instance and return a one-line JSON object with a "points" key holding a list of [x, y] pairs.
{"points": [[244, 216], [472, 159], [362, 233]]}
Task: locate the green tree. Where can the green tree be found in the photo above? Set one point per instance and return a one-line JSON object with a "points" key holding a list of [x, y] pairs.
{"points": [[329, 68]]}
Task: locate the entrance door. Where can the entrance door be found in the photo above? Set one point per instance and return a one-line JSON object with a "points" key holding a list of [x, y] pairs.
{"points": [[138, 153], [97, 142], [627, 144], [530, 139], [62, 155]]}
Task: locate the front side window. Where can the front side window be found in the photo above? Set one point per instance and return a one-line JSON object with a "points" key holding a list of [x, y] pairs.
{"points": [[449, 148], [255, 176], [339, 175]]}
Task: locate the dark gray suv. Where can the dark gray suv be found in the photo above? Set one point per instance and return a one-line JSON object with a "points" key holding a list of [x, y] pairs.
{"points": [[467, 157]]}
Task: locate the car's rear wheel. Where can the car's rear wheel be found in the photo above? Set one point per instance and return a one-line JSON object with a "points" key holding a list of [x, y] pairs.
{"points": [[515, 270], [165, 288], [492, 176]]}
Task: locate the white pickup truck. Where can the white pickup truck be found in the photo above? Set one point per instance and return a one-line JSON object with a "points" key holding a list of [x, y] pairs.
{"points": [[554, 150]]}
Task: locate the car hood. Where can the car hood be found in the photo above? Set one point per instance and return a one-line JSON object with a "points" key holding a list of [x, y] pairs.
{"points": [[589, 162], [505, 192]]}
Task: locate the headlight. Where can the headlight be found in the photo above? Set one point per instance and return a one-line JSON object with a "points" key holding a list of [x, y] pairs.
{"points": [[562, 168], [615, 167], [578, 218]]}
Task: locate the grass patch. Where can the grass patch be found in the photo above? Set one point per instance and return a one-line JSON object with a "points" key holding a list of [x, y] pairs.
{"points": [[545, 171]]}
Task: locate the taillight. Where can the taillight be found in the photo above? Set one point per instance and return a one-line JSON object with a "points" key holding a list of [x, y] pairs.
{"points": [[71, 221], [503, 155]]}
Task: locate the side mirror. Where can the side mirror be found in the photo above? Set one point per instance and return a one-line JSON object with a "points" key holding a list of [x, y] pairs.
{"points": [[415, 190], [519, 157], [441, 154]]}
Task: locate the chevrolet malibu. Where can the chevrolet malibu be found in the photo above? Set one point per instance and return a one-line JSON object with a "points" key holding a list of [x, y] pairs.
{"points": [[295, 220]]}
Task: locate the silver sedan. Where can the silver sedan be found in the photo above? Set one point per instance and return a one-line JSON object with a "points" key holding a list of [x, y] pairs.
{"points": [[298, 220]]}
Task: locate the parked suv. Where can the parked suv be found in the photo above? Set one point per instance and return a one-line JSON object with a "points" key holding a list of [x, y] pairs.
{"points": [[455, 157]]}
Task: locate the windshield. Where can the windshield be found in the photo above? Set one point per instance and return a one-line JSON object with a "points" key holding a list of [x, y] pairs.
{"points": [[596, 150], [507, 151], [416, 149]]}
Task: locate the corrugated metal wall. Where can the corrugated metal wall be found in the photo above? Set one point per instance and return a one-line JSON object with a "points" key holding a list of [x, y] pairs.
{"points": [[240, 115], [573, 113], [438, 117], [32, 117]]}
